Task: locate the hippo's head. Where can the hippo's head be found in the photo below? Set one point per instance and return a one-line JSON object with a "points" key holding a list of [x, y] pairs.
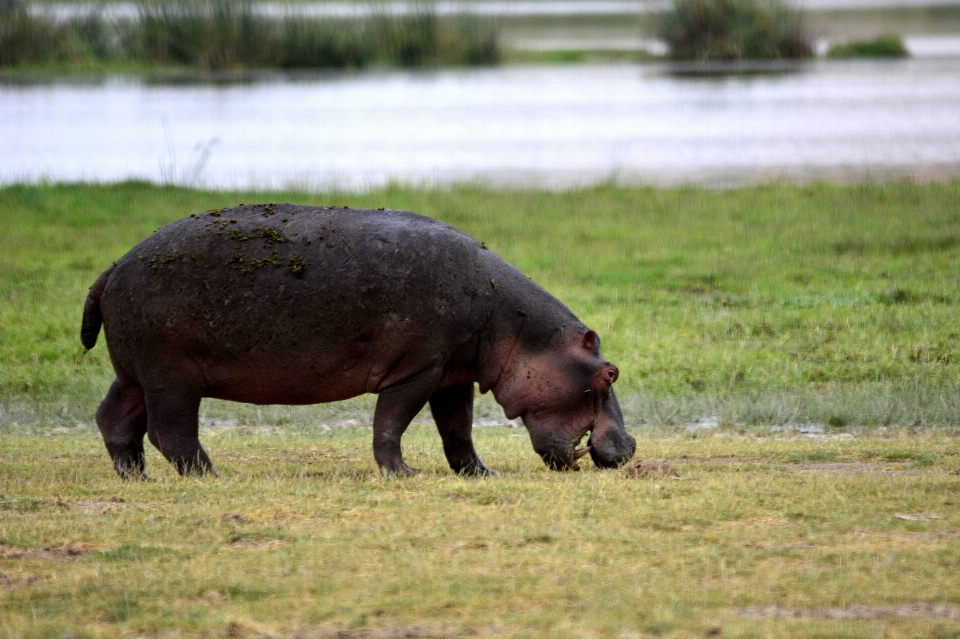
{"points": [[564, 392]]}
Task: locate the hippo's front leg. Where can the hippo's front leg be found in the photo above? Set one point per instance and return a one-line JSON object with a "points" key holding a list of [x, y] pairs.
{"points": [[397, 405], [452, 410]]}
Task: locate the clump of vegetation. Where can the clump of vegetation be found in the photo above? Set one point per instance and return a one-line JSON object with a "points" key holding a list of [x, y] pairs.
{"points": [[885, 46], [28, 38], [225, 34], [733, 30]]}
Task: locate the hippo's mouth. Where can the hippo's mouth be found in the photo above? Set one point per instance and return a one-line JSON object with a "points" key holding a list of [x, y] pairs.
{"points": [[563, 455], [578, 451]]}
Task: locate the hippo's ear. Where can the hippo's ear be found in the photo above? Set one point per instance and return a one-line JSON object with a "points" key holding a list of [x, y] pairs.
{"points": [[590, 340]]}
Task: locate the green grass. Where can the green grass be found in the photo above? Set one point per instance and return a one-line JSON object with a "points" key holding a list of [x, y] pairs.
{"points": [[886, 46], [762, 306], [301, 537], [767, 305], [576, 56]]}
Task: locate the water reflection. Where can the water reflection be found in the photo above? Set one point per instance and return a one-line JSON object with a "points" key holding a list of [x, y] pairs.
{"points": [[555, 127]]}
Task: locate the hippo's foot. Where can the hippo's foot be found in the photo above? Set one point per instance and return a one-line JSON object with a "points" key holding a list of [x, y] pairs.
{"points": [[130, 466], [399, 469], [131, 474], [196, 465], [475, 469]]}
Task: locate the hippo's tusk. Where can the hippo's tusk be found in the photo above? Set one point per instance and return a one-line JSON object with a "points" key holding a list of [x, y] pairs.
{"points": [[577, 454]]}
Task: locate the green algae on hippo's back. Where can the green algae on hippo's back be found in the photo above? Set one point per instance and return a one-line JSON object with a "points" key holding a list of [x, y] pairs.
{"points": [[322, 304]]}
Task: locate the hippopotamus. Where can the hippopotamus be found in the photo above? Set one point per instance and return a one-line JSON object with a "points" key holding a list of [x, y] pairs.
{"points": [[291, 304]]}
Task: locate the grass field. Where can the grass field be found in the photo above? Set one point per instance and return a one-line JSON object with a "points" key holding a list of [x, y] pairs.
{"points": [[753, 310], [301, 538], [768, 305]]}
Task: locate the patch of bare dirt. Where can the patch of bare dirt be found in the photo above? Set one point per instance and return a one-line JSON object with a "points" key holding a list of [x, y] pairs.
{"points": [[410, 632], [9, 582], [909, 610], [725, 461], [651, 469], [256, 543], [854, 468], [772, 547], [918, 516], [413, 632], [251, 630], [67, 551], [96, 505], [466, 546]]}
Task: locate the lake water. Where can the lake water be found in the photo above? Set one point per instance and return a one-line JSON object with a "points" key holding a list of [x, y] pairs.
{"points": [[548, 126]]}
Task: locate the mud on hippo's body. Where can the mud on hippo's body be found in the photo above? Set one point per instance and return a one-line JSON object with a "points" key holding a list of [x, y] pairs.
{"points": [[285, 304]]}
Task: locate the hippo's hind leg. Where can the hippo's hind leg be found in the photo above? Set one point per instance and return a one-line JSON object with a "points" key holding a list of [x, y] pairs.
{"points": [[172, 426], [452, 409], [122, 420]]}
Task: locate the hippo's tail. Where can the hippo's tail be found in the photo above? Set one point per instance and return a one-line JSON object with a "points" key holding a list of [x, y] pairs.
{"points": [[92, 317]]}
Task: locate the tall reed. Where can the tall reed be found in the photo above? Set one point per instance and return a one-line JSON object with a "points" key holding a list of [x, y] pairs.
{"points": [[223, 34], [26, 39]]}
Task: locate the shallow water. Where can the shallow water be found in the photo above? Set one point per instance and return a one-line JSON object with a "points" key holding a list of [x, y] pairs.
{"points": [[547, 126]]}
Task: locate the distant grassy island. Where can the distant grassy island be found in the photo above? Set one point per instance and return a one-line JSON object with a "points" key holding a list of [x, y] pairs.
{"points": [[734, 30]]}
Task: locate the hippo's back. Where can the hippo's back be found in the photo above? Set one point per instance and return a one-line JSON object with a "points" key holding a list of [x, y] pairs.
{"points": [[238, 298]]}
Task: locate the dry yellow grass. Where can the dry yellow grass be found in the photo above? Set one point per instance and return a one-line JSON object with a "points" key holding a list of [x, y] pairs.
{"points": [[760, 536]]}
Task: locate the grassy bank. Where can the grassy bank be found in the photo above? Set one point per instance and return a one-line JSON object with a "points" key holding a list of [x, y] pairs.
{"points": [[301, 538], [232, 34], [759, 306], [762, 306]]}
